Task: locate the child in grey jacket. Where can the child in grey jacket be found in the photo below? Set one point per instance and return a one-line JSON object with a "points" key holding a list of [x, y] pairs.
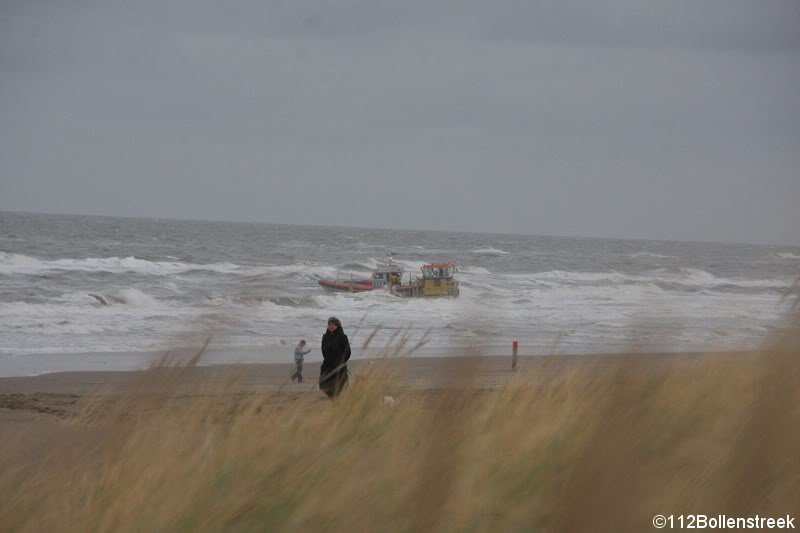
{"points": [[299, 351]]}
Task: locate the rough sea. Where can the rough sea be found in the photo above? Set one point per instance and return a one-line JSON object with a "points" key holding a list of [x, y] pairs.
{"points": [[255, 286]]}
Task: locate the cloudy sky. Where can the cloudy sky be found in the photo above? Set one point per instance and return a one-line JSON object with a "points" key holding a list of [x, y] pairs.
{"points": [[621, 118]]}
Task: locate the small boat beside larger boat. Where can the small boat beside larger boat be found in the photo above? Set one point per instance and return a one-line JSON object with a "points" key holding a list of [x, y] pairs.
{"points": [[387, 272]]}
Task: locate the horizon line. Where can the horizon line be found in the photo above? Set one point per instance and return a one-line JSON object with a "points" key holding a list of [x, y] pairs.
{"points": [[339, 226]]}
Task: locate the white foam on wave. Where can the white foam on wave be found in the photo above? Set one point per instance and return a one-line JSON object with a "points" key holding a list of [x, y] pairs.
{"points": [[121, 300], [489, 251], [787, 255], [21, 264], [651, 254], [130, 297], [362, 244], [688, 277], [607, 295], [11, 264], [410, 265], [417, 249], [474, 270], [701, 278], [359, 266], [83, 313], [137, 298], [298, 268], [17, 264]]}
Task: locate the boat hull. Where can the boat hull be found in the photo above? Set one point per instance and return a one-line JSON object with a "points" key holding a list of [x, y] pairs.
{"points": [[415, 291], [347, 285]]}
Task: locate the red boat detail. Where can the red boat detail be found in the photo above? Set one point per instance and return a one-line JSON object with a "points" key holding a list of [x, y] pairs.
{"points": [[358, 285], [385, 273]]}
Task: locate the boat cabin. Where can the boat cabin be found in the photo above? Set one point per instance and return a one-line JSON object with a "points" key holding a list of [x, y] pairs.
{"points": [[387, 272], [437, 280], [438, 271], [380, 279]]}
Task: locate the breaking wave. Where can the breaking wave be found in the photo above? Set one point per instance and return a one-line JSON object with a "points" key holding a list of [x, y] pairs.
{"points": [[478, 271], [358, 267], [650, 254], [675, 278], [132, 297], [489, 251], [11, 264], [23, 264]]}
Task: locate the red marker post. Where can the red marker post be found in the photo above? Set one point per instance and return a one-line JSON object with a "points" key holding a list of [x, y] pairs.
{"points": [[515, 345]]}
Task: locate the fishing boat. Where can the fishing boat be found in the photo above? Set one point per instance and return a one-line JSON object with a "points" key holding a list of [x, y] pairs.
{"points": [[438, 279], [388, 272]]}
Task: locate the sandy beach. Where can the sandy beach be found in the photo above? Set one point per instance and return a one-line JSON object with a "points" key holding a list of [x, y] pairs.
{"points": [[33, 409], [58, 394]]}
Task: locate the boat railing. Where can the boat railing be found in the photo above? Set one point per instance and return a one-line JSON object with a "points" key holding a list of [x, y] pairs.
{"points": [[339, 276]]}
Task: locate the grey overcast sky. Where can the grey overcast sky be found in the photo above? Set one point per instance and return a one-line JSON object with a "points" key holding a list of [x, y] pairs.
{"points": [[663, 119]]}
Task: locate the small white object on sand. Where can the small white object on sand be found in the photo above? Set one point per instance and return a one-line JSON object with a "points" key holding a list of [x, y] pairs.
{"points": [[391, 402]]}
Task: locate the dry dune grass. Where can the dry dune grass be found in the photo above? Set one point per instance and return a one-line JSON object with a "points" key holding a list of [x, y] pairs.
{"points": [[595, 446]]}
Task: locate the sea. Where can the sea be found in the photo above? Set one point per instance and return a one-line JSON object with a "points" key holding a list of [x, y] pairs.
{"points": [[104, 285]]}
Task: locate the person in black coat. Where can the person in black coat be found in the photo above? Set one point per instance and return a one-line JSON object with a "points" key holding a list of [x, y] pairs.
{"points": [[335, 354]]}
